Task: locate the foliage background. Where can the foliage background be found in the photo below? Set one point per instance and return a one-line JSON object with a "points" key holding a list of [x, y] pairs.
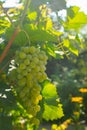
{"points": [[66, 51]]}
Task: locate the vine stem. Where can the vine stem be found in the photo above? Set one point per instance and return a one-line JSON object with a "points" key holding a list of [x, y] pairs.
{"points": [[6, 13], [27, 36], [17, 30], [9, 44], [24, 11]]}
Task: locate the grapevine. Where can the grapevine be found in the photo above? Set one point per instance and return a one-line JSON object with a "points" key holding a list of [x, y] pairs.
{"points": [[28, 73]]}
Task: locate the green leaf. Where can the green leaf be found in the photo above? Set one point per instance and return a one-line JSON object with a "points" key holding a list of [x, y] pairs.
{"points": [[70, 46], [52, 107], [40, 35], [50, 47], [72, 11], [20, 39], [80, 18], [52, 112], [57, 33], [74, 50], [76, 18], [49, 91]]}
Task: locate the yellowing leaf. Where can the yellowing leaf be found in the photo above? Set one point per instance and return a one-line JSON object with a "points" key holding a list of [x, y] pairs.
{"points": [[57, 33], [49, 24], [66, 43], [76, 18], [80, 18], [74, 50], [32, 16], [70, 46]]}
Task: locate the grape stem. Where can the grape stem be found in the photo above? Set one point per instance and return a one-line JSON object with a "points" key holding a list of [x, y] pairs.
{"points": [[27, 36]]}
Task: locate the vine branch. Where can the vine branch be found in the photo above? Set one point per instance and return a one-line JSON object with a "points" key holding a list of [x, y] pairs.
{"points": [[5, 12], [17, 30], [9, 45], [24, 11]]}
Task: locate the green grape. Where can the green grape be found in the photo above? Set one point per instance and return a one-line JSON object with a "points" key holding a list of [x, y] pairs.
{"points": [[43, 53], [35, 60], [27, 104], [22, 82], [40, 63], [29, 83], [25, 49], [32, 65], [29, 56], [37, 108], [42, 68], [34, 91], [27, 61], [24, 72], [44, 76], [26, 98], [40, 97], [32, 49], [36, 69], [36, 101], [19, 76], [29, 77], [37, 87], [30, 72], [22, 94], [22, 55], [39, 77], [41, 57], [35, 121], [45, 58], [24, 91], [37, 51], [32, 110], [18, 89], [22, 66]]}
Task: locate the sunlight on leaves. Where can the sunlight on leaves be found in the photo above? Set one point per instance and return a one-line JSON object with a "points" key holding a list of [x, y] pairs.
{"points": [[32, 15], [71, 47], [52, 112]]}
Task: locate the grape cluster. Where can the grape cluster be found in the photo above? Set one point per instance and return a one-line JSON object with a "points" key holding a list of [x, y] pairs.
{"points": [[30, 72]]}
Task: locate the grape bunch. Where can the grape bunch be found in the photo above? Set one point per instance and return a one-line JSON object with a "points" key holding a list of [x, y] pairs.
{"points": [[30, 72]]}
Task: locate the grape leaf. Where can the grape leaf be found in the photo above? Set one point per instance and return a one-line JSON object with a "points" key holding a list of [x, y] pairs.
{"points": [[49, 91], [71, 47], [76, 20], [52, 107], [52, 112], [36, 34], [32, 15]]}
